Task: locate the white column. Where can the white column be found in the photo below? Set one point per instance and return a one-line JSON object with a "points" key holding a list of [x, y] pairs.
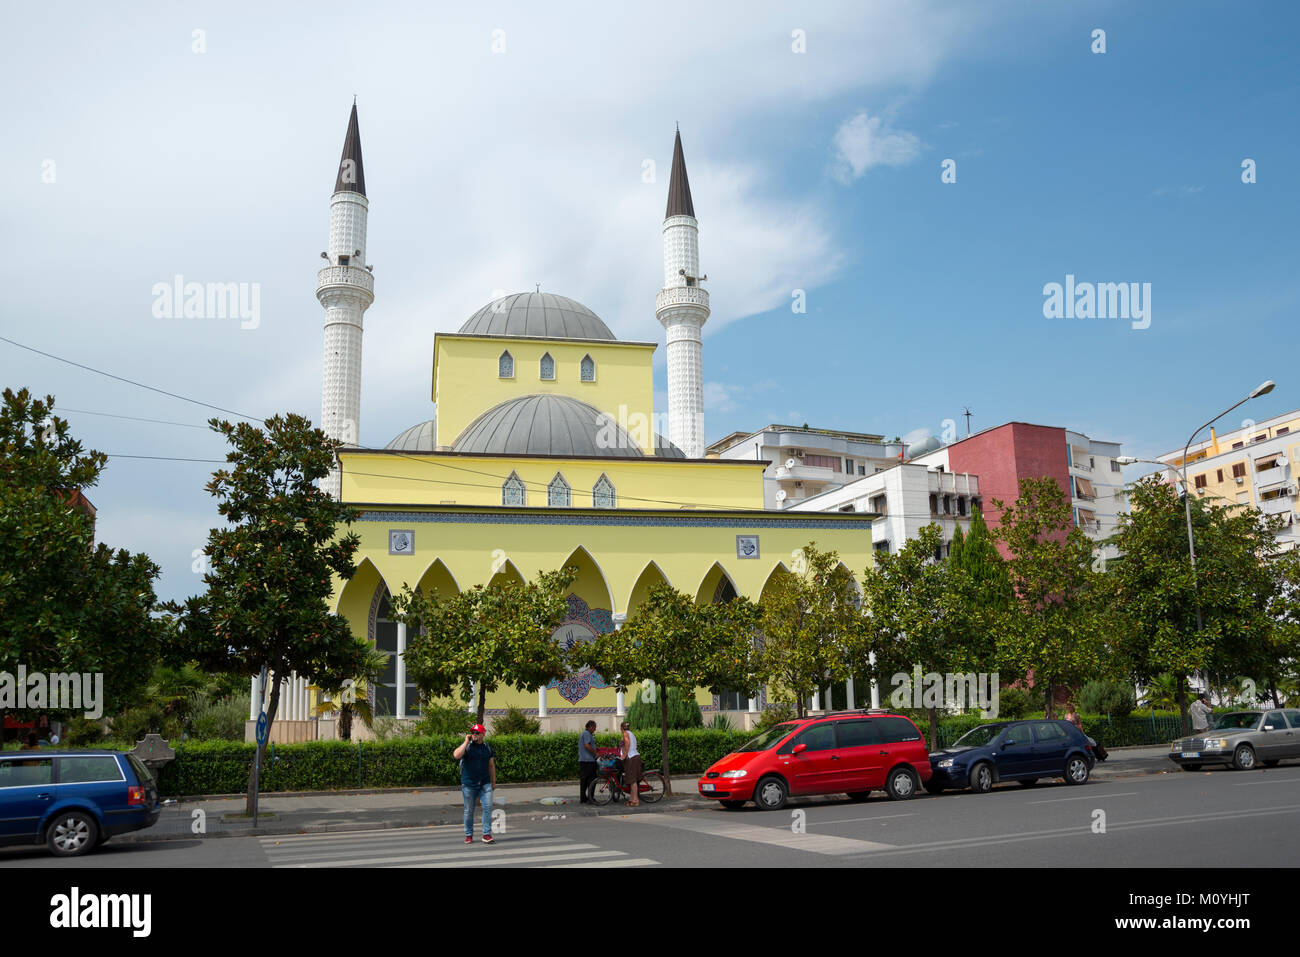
{"points": [[401, 669], [753, 705], [816, 700], [472, 708], [830, 699], [541, 702], [848, 694], [875, 688], [252, 698]]}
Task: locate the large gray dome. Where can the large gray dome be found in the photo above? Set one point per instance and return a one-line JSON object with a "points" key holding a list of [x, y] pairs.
{"points": [[546, 425], [418, 438], [536, 314]]}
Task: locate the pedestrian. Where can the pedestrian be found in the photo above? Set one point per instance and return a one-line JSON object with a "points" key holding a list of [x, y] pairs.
{"points": [[1072, 716], [586, 762], [33, 743], [1200, 712], [631, 766], [478, 776]]}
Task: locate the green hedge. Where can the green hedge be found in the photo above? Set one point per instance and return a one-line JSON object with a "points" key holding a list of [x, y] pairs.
{"points": [[221, 767]]}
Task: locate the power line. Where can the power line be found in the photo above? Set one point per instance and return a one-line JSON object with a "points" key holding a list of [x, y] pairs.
{"points": [[173, 395], [134, 418]]}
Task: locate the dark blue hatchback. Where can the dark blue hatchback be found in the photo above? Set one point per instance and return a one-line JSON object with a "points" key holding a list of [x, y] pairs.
{"points": [[73, 801], [1021, 751]]}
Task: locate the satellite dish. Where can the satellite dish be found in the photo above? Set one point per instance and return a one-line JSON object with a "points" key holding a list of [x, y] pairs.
{"points": [[780, 495], [790, 463]]}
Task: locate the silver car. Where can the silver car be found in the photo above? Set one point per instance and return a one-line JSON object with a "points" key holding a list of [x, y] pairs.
{"points": [[1243, 740]]}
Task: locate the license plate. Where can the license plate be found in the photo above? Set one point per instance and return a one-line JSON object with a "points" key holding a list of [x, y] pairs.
{"points": [[706, 787], [1191, 754]]}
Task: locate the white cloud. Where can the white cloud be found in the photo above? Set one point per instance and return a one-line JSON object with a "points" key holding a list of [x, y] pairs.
{"points": [[864, 141]]}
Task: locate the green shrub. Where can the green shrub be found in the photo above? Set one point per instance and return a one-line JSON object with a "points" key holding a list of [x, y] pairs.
{"points": [[683, 711], [777, 713], [514, 721], [81, 733], [1115, 698], [217, 719], [720, 722], [1015, 703], [443, 717]]}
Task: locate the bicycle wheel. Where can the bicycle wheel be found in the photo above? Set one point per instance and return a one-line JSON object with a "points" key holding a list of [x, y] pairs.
{"points": [[602, 791], [652, 787]]}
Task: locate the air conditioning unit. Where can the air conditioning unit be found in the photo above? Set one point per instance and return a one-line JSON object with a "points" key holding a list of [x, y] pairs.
{"points": [[797, 453], [1241, 480], [798, 484]]}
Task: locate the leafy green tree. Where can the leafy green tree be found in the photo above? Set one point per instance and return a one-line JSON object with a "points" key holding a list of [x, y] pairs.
{"points": [[486, 637], [273, 567], [812, 626], [674, 642], [1054, 627], [67, 604], [1238, 594]]}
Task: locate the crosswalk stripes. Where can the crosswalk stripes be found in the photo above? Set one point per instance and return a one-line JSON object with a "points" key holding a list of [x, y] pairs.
{"points": [[438, 847], [775, 836]]}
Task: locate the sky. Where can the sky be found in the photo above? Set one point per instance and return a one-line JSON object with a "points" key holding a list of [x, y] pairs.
{"points": [[508, 145]]}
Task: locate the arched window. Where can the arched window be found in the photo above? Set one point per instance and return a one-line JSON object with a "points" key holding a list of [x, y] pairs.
{"points": [[588, 369], [513, 492], [548, 367], [558, 494], [506, 366], [602, 495]]}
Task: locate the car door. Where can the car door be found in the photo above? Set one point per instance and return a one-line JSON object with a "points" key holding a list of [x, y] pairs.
{"points": [[26, 793], [1014, 753], [862, 753], [1293, 720], [815, 769], [1050, 745], [1276, 739]]}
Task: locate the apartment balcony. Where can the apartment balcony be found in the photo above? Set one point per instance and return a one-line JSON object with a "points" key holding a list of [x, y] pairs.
{"points": [[807, 473], [1281, 505]]}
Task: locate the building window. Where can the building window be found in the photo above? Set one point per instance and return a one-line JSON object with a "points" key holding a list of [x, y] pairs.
{"points": [[831, 462], [1219, 475], [588, 370], [1237, 445], [513, 492], [961, 505], [1092, 462], [1282, 431], [1199, 481], [548, 367], [934, 504], [1260, 438], [882, 548], [506, 366], [862, 470], [1239, 470], [848, 466], [1114, 466], [602, 495], [557, 493]]}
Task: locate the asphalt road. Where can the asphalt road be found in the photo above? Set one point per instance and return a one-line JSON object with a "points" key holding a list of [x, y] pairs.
{"points": [[1206, 819]]}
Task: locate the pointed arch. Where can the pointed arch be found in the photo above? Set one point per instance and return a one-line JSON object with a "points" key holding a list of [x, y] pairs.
{"points": [[438, 579], [354, 598], [546, 368], [591, 585], [558, 493], [506, 365], [504, 572], [587, 369], [650, 576], [778, 570], [856, 585], [513, 490], [714, 579]]}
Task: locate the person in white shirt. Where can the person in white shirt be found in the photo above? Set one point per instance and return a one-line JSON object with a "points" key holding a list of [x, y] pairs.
{"points": [[631, 766], [1200, 712]]}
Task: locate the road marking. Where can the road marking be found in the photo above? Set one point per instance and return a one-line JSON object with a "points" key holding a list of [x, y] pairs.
{"points": [[778, 837], [484, 862], [847, 820], [415, 860], [1247, 784], [356, 856], [619, 862], [1087, 797]]}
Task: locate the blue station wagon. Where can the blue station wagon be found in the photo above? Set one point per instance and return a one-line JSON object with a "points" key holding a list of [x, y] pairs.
{"points": [[73, 801]]}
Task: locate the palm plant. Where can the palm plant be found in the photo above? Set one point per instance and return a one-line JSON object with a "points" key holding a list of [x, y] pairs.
{"points": [[1161, 694], [351, 696]]}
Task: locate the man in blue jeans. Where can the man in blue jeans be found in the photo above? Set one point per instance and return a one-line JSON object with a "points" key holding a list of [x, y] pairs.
{"points": [[478, 776]]}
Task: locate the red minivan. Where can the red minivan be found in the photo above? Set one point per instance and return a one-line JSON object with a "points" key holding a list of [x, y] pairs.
{"points": [[850, 752]]}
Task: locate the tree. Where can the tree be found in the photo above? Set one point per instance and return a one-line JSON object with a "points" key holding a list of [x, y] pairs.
{"points": [[489, 636], [67, 604], [1054, 627], [351, 696], [273, 568], [811, 623], [1239, 592], [674, 642]]}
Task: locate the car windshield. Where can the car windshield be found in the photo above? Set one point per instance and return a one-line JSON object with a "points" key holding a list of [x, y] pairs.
{"points": [[1238, 719], [770, 737], [978, 737]]}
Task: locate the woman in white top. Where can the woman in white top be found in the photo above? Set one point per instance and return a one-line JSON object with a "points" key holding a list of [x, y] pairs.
{"points": [[631, 766]]}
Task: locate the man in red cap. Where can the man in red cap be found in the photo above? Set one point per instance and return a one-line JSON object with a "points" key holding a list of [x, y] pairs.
{"points": [[478, 776]]}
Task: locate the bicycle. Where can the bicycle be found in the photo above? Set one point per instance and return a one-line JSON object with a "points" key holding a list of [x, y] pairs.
{"points": [[610, 786]]}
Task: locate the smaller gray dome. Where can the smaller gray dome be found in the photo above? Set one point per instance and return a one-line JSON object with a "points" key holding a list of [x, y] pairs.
{"points": [[418, 438], [546, 425], [536, 314], [666, 449]]}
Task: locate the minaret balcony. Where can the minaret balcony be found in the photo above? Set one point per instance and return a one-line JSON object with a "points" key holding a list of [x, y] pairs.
{"points": [[347, 277], [681, 296]]}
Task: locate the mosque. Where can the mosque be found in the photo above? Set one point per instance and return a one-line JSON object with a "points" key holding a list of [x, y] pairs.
{"points": [[543, 453]]}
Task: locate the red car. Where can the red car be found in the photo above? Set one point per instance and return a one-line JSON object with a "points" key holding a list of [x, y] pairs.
{"points": [[851, 752]]}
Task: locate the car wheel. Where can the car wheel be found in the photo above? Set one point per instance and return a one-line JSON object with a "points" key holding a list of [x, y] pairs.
{"points": [[1076, 770], [71, 834], [901, 784], [732, 805], [1243, 759], [1028, 782], [933, 786], [1191, 767], [981, 778], [771, 793], [859, 795], [1271, 764]]}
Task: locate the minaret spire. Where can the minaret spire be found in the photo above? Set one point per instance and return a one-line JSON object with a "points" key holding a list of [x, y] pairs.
{"points": [[345, 288], [682, 307]]}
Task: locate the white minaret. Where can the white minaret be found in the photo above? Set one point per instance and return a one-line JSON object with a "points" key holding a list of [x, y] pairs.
{"points": [[683, 308], [346, 289]]}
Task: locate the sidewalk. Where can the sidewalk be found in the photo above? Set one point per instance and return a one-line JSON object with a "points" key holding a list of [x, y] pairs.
{"points": [[324, 811]]}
